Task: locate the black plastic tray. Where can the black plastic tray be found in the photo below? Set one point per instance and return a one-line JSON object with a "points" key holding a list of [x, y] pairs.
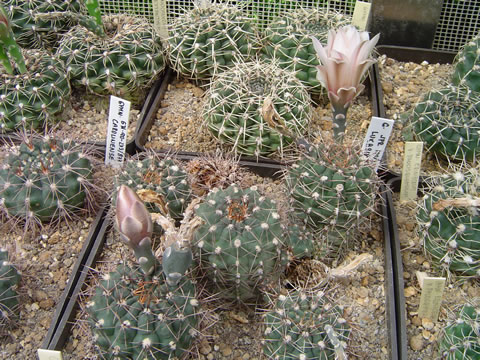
{"points": [[371, 85], [407, 54], [67, 309]]}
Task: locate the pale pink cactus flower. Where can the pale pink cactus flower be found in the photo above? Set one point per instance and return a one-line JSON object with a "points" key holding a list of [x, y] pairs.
{"points": [[133, 219]]}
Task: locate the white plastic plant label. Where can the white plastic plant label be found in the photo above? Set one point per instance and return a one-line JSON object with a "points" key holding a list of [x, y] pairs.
{"points": [[44, 354], [118, 116], [160, 17], [377, 137], [361, 13], [411, 170], [431, 298]]}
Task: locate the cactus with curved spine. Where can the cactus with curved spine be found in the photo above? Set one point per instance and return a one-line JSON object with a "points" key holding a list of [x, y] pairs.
{"points": [[461, 339], [289, 42], [448, 121], [332, 190], [247, 104], [467, 65], [9, 279], [304, 326], [136, 313], [208, 39], [162, 183], [449, 223], [44, 179]]}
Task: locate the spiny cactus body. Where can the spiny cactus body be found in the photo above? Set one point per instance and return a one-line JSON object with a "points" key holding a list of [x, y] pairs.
{"points": [[122, 62], [240, 245], [209, 38], [467, 65], [304, 326], [9, 280], [448, 122], [289, 42], [332, 189], [449, 223], [461, 339], [162, 183], [44, 179], [247, 104]]}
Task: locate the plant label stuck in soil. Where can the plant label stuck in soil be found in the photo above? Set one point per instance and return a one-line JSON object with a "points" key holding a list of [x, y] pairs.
{"points": [[160, 17], [118, 116], [377, 137], [431, 297], [411, 170], [361, 14], [49, 354]]}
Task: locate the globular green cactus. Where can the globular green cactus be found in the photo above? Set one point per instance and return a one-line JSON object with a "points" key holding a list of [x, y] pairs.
{"points": [[288, 40], [9, 280], [39, 23], [162, 183], [240, 246], [136, 313], [208, 39], [449, 223], [251, 107], [333, 190], [448, 122], [461, 339], [117, 55], [467, 65], [44, 179], [304, 326]]}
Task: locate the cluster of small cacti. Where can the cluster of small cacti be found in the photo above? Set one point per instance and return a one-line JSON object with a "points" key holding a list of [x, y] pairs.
{"points": [[163, 184], [45, 179], [449, 223], [461, 338], [9, 281], [289, 41], [305, 326], [467, 65], [208, 39], [251, 107], [447, 121], [333, 189]]}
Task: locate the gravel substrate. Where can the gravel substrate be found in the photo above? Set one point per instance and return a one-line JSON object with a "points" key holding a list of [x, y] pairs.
{"points": [[423, 334]]}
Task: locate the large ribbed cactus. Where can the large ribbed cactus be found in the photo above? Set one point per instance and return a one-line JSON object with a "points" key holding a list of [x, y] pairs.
{"points": [[448, 122], [449, 223], [118, 54], [304, 326], [333, 190], [289, 41], [240, 246], [209, 38], [44, 179], [136, 312], [461, 338], [467, 65], [249, 107], [9, 280], [161, 183]]}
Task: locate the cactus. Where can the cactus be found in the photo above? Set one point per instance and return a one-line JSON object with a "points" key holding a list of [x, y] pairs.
{"points": [[39, 23], [461, 339], [32, 91], [44, 179], [136, 313], [162, 183], [448, 122], [289, 41], [247, 104], [449, 223], [304, 326], [117, 55], [208, 39], [332, 190], [467, 65], [9, 280], [240, 246]]}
